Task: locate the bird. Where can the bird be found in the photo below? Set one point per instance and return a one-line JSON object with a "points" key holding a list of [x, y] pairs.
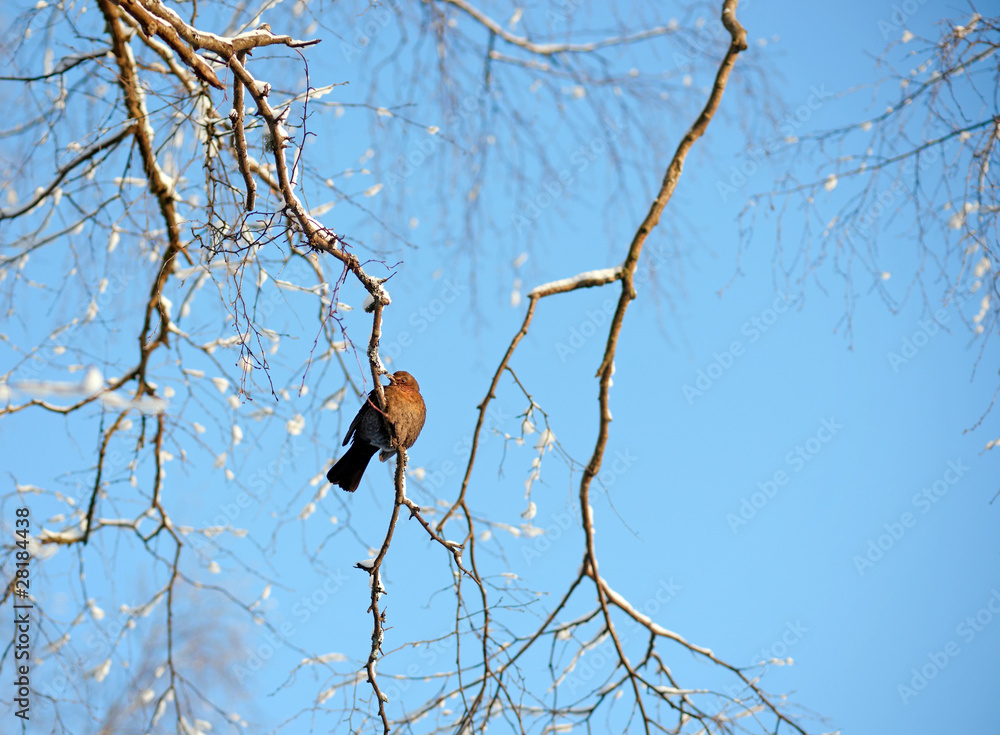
{"points": [[405, 412]]}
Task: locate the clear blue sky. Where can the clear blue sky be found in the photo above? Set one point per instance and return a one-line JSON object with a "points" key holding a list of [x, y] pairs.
{"points": [[814, 500]]}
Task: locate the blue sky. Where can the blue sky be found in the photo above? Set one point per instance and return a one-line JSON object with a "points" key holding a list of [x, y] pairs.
{"points": [[817, 499]]}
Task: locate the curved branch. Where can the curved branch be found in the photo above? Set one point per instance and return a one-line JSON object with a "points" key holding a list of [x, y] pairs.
{"points": [[63, 171], [551, 49]]}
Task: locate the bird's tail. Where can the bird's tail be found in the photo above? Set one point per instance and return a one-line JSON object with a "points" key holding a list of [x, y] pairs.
{"points": [[348, 470]]}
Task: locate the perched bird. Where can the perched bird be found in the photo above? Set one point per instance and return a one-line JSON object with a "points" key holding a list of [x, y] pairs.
{"points": [[405, 412]]}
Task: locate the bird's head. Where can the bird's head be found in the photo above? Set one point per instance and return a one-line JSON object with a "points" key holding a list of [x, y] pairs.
{"points": [[403, 379]]}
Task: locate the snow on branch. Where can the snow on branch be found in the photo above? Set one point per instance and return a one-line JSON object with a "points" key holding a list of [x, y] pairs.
{"points": [[581, 280]]}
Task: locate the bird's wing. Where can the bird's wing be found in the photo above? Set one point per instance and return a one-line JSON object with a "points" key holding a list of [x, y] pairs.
{"points": [[357, 419]]}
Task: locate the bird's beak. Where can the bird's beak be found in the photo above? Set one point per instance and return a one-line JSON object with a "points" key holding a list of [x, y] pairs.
{"points": [[391, 377]]}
